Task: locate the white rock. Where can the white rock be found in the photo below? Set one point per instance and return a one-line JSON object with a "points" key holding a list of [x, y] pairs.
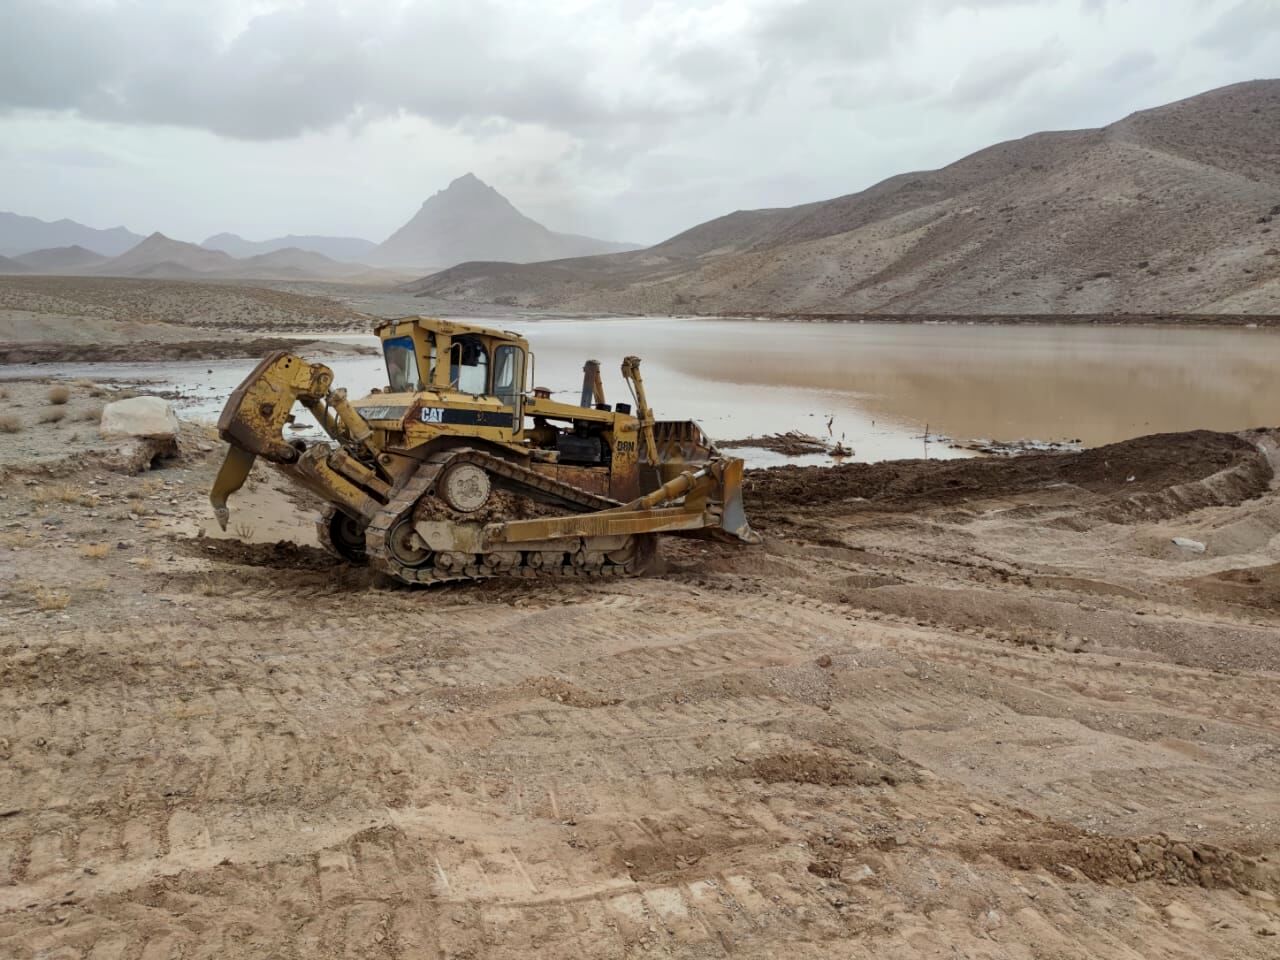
{"points": [[1195, 546], [150, 417]]}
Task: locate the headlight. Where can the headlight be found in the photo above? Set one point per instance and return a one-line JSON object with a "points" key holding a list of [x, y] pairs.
{"points": [[382, 413]]}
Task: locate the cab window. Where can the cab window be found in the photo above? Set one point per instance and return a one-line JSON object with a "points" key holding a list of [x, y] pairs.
{"points": [[402, 365], [469, 369], [507, 379]]}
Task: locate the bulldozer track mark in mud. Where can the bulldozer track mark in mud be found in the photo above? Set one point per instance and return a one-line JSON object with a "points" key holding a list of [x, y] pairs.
{"points": [[737, 760]]}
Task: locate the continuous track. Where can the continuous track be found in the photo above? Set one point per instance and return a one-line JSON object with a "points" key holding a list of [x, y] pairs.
{"points": [[525, 564]]}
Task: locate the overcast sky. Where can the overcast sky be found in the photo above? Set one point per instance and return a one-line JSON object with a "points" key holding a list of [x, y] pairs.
{"points": [[626, 119]]}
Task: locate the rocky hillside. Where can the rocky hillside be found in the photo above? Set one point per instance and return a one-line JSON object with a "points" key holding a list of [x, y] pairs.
{"points": [[470, 220], [1171, 209]]}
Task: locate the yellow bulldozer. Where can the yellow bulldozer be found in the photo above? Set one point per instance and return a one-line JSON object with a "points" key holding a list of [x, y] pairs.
{"points": [[441, 476]]}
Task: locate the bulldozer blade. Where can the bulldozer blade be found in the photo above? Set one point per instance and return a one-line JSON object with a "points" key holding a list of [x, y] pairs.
{"points": [[733, 518], [231, 477]]}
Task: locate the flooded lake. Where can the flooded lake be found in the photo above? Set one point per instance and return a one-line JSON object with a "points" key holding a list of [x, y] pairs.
{"points": [[877, 384]]}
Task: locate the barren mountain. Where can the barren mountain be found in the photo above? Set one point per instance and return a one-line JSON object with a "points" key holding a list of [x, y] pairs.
{"points": [[293, 262], [159, 256], [73, 259], [469, 220], [351, 249], [162, 257], [1169, 209], [19, 234], [8, 265]]}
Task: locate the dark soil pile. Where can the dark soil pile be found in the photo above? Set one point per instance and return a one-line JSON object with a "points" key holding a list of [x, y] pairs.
{"points": [[1142, 465], [147, 350]]}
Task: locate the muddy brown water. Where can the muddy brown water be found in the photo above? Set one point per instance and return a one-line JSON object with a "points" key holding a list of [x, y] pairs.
{"points": [[877, 385]]}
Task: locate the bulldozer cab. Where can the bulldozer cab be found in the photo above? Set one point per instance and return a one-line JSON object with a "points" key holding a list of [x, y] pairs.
{"points": [[444, 357]]}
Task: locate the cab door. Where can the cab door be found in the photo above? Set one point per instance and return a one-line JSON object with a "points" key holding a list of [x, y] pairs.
{"points": [[508, 383]]}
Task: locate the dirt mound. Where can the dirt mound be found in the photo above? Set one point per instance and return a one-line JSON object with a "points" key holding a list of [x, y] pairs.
{"points": [[1143, 465], [819, 768], [1104, 859], [570, 694], [284, 555], [53, 352], [1248, 586]]}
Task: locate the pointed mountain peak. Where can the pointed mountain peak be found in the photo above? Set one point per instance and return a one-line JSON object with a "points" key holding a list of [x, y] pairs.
{"points": [[470, 220]]}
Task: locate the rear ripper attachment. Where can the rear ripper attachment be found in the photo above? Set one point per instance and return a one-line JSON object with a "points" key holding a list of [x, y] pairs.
{"points": [[460, 470]]}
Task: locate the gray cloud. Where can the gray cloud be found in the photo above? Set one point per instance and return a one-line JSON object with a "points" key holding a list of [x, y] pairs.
{"points": [[1002, 76], [634, 118], [1244, 27], [307, 67]]}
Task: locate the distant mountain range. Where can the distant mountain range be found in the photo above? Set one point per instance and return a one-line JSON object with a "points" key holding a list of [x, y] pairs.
{"points": [[1167, 210], [19, 234], [469, 220], [352, 249], [55, 259]]}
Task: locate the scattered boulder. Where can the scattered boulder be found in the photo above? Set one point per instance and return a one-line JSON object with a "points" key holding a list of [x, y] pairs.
{"points": [[147, 431], [1186, 543], [151, 418]]}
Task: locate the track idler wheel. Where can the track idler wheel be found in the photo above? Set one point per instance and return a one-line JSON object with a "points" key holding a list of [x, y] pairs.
{"points": [[346, 536], [405, 546]]}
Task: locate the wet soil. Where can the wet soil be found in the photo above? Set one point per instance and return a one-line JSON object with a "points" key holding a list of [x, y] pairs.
{"points": [[1132, 466], [197, 349], [988, 705], [1036, 319]]}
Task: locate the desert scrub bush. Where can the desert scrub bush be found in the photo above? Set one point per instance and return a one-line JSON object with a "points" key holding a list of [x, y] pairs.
{"points": [[94, 551], [53, 415], [46, 597], [18, 538], [93, 412], [9, 423], [61, 493], [59, 395]]}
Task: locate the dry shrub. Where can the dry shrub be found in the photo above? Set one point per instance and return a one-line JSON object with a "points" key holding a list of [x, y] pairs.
{"points": [[63, 493], [90, 413], [4, 394], [53, 415], [94, 551], [84, 384], [9, 423], [18, 538], [46, 597], [59, 395]]}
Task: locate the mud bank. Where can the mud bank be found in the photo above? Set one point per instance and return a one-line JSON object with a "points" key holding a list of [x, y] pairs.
{"points": [[158, 351], [1027, 319], [1130, 467]]}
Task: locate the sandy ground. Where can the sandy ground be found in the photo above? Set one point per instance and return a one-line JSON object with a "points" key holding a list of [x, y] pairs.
{"points": [[976, 709]]}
